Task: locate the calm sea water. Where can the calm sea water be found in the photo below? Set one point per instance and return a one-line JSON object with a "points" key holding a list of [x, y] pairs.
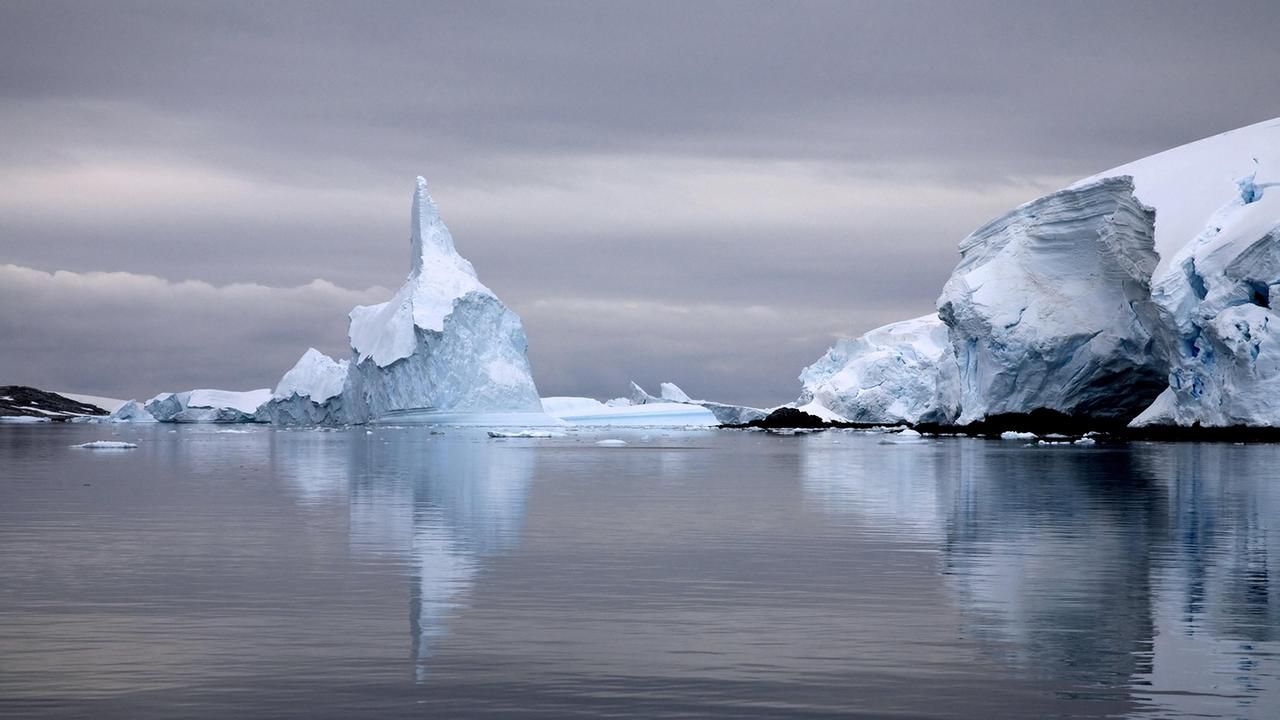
{"points": [[398, 573]]}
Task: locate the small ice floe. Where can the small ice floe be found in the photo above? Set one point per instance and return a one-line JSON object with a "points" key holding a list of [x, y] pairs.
{"points": [[105, 445], [1014, 435], [232, 432], [524, 434], [1086, 440], [22, 420], [794, 431], [906, 437], [611, 442], [1054, 442]]}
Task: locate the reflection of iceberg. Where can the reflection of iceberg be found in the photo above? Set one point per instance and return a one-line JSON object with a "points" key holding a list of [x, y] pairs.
{"points": [[1143, 573], [1217, 607], [889, 487], [443, 503]]}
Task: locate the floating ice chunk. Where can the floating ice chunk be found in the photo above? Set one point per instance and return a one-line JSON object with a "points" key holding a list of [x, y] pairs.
{"points": [[611, 442], [106, 445], [524, 434], [1014, 435], [1086, 441]]}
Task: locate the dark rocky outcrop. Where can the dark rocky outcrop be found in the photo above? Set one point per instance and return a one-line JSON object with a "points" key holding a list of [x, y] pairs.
{"points": [[24, 401]]}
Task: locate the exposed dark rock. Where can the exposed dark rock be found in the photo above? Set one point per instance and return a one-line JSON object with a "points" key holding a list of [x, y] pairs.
{"points": [[20, 400]]}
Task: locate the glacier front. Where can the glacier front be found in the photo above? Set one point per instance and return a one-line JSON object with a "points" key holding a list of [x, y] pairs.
{"points": [[1050, 307]]}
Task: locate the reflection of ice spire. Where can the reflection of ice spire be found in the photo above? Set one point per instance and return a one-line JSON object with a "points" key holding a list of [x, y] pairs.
{"points": [[443, 574]]}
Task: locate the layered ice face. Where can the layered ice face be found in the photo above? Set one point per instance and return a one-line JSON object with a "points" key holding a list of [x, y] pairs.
{"points": [[1050, 307]]}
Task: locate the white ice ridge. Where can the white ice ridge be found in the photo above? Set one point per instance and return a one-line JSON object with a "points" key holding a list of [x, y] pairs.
{"points": [[444, 350], [671, 393], [902, 372]]}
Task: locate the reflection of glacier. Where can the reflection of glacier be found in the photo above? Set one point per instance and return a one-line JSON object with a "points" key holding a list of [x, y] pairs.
{"points": [[1144, 570], [443, 503]]}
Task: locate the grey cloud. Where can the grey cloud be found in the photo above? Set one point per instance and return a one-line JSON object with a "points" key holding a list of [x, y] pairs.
{"points": [[128, 335], [583, 153]]}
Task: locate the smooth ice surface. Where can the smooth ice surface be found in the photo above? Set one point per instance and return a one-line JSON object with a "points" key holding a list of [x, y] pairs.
{"points": [[590, 412], [106, 403], [343, 574], [1188, 184], [902, 372]]}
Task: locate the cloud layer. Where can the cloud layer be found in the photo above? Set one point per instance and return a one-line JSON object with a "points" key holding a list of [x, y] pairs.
{"points": [[705, 192]]}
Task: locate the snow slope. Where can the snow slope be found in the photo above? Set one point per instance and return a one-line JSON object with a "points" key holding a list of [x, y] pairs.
{"points": [[1217, 232]]}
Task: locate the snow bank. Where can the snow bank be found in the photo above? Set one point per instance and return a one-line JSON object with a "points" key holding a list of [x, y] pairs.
{"points": [[902, 372]]}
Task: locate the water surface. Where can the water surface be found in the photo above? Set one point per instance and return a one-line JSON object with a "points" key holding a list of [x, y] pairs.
{"points": [[395, 572]]}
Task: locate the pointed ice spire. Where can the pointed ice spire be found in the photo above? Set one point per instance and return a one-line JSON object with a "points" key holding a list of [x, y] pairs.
{"points": [[428, 233]]}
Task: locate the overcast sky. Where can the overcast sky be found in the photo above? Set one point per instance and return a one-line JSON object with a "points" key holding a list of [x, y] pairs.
{"points": [[709, 193]]}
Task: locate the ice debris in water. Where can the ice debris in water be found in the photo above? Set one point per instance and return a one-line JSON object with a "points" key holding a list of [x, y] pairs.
{"points": [[106, 445]]}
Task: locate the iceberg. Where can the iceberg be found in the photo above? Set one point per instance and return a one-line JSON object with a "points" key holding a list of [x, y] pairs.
{"points": [[904, 372], [131, 411], [208, 406], [669, 392], [444, 350], [444, 344], [589, 412]]}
